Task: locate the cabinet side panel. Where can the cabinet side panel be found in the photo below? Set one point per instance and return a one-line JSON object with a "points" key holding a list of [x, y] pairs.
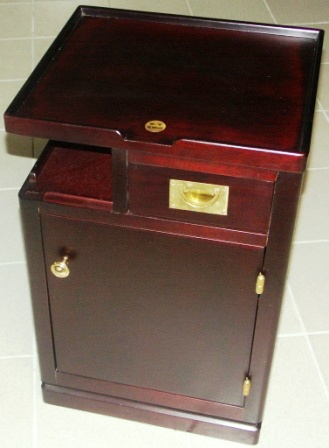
{"points": [[275, 269], [38, 286]]}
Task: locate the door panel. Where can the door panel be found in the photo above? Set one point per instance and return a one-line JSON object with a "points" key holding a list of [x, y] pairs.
{"points": [[153, 310]]}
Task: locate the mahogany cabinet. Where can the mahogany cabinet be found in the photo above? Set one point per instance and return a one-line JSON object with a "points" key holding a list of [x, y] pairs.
{"points": [[158, 219]]}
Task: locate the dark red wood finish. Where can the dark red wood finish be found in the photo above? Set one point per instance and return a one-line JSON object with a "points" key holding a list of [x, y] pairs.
{"points": [[209, 81], [159, 320], [250, 200], [74, 170], [152, 310], [178, 75], [127, 272]]}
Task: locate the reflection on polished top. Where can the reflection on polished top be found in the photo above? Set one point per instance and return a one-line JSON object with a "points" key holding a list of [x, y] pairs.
{"points": [[113, 72]]}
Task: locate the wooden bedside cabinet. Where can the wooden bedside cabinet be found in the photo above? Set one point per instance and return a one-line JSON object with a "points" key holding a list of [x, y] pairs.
{"points": [[158, 219]]}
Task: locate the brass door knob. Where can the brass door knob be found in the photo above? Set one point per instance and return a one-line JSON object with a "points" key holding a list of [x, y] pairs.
{"points": [[60, 269]]}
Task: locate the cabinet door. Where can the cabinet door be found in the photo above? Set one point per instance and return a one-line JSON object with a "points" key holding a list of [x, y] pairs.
{"points": [[155, 310]]}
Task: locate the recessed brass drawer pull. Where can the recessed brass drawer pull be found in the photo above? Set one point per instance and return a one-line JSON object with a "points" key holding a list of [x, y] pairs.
{"points": [[198, 197], [60, 269]]}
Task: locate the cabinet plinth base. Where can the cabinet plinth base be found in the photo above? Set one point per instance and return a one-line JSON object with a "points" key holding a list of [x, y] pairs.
{"points": [[146, 413]]}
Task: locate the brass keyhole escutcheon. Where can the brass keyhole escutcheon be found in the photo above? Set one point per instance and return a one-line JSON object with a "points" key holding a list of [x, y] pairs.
{"points": [[155, 126], [60, 268]]}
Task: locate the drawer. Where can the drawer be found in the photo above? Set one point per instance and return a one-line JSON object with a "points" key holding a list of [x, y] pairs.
{"points": [[202, 198]]}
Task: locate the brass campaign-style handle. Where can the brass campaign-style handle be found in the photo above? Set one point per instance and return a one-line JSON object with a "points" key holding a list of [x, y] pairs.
{"points": [[198, 197]]}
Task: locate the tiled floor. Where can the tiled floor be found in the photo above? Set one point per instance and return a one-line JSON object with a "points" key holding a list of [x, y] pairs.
{"points": [[297, 411]]}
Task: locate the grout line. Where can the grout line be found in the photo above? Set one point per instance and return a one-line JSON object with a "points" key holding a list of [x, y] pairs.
{"points": [[320, 105], [189, 7], [12, 263], [9, 189], [12, 80], [310, 333], [269, 10], [291, 335], [33, 21], [2, 358], [50, 36], [33, 34], [309, 23], [326, 114], [6, 39], [310, 242], [319, 168], [308, 342], [34, 402], [10, 3], [322, 109]]}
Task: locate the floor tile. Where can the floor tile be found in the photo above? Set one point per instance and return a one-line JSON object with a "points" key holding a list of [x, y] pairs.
{"points": [[296, 411], [286, 422], [144, 436], [323, 91], [299, 11], [289, 322], [39, 145], [15, 1], [308, 278], [16, 403], [199, 441], [169, 7], [325, 50], [8, 91], [313, 214], [51, 16], [15, 160], [16, 330], [41, 45], [320, 344], [63, 427], [11, 241], [14, 145], [15, 58], [15, 22], [253, 10], [319, 152]]}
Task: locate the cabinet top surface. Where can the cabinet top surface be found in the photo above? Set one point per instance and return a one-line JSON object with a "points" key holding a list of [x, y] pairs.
{"points": [[110, 72]]}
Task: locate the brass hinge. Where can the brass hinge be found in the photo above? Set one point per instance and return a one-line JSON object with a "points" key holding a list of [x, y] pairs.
{"points": [[260, 283], [246, 386]]}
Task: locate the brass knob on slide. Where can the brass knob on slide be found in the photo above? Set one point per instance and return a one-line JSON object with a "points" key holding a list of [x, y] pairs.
{"points": [[60, 269]]}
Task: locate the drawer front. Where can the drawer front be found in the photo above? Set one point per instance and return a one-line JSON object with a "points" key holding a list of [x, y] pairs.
{"points": [[224, 201]]}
